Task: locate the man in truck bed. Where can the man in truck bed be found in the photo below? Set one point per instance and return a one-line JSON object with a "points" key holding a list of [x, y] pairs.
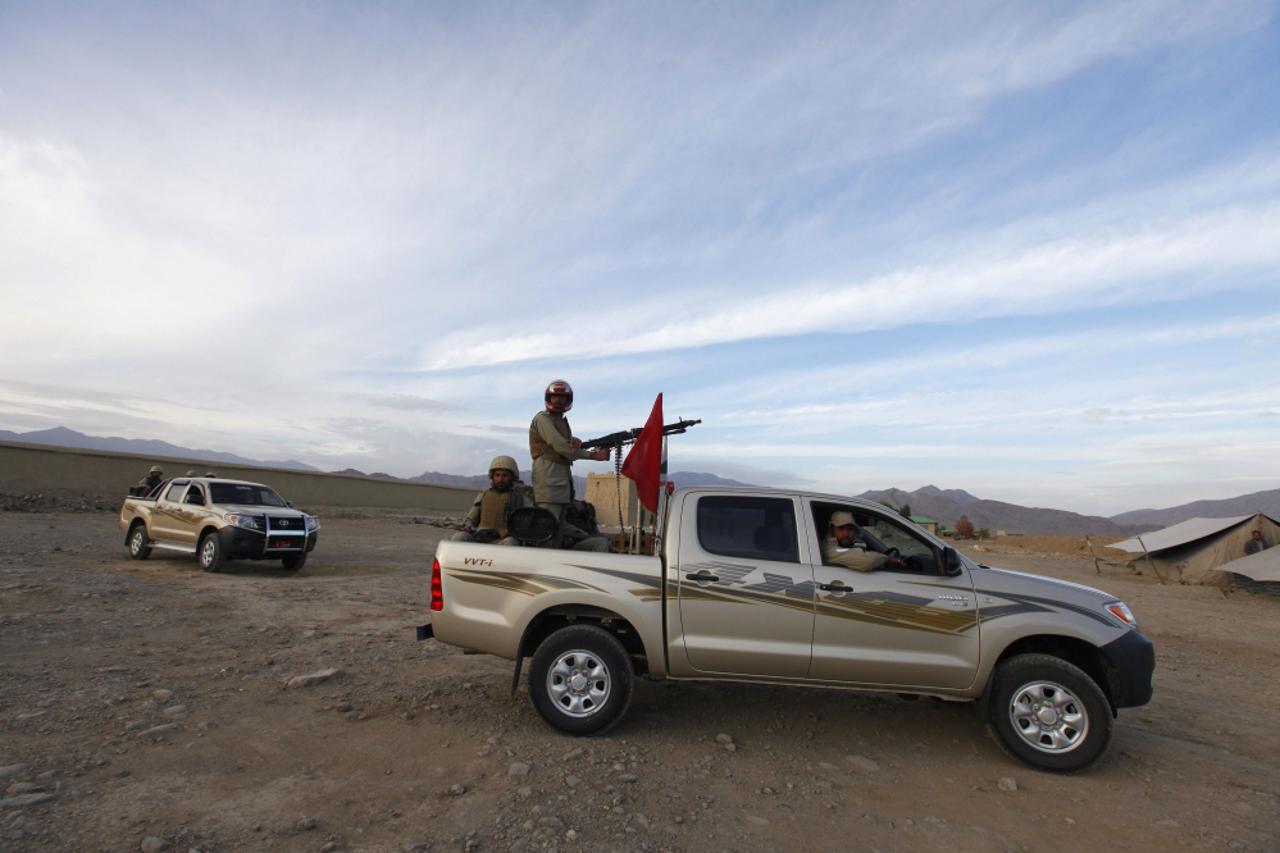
{"points": [[554, 448], [487, 520]]}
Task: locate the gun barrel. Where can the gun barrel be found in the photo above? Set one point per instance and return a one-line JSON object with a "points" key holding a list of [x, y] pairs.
{"points": [[628, 436]]}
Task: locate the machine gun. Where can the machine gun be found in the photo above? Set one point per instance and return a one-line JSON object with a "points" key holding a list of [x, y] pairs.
{"points": [[617, 440]]}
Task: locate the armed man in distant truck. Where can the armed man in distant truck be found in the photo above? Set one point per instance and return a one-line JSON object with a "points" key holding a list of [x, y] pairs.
{"points": [[154, 477], [554, 449], [487, 520]]}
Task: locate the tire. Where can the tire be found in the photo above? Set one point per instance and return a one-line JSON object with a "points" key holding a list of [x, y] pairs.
{"points": [[209, 553], [137, 543], [600, 664], [1048, 713], [294, 562]]}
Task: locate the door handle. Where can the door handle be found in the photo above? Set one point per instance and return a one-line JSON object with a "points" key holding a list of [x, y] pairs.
{"points": [[703, 576], [834, 587]]}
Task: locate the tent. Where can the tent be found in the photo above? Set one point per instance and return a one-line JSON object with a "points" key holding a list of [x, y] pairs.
{"points": [[1199, 550]]}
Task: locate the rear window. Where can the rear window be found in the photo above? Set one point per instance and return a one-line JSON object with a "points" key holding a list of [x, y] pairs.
{"points": [[755, 528]]}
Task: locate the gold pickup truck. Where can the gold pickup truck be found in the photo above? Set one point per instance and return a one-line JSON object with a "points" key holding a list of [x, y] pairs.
{"points": [[218, 520], [747, 587]]}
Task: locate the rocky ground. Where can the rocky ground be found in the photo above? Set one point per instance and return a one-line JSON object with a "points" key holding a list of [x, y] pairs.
{"points": [[143, 705]]}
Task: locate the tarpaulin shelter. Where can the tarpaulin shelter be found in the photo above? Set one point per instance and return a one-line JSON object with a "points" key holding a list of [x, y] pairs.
{"points": [[1199, 550]]}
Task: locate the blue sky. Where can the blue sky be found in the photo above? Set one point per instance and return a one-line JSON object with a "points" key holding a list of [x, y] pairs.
{"points": [[1028, 250]]}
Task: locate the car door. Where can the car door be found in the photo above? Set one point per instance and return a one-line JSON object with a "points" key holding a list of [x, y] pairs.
{"points": [[165, 513], [745, 590], [907, 626], [190, 516]]}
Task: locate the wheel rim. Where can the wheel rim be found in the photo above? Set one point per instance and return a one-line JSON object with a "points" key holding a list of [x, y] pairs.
{"points": [[1048, 717], [579, 683], [208, 551], [136, 543]]}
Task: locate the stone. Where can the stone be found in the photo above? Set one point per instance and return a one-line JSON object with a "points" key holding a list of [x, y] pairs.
{"points": [[318, 677], [724, 739], [730, 747], [153, 844], [572, 781], [11, 770], [518, 768], [24, 788], [162, 695], [1007, 783], [23, 800], [457, 790], [136, 726], [162, 730], [175, 710], [306, 823], [863, 763]]}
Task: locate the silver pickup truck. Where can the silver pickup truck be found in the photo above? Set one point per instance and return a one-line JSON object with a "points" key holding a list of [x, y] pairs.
{"points": [[218, 520], [744, 588]]}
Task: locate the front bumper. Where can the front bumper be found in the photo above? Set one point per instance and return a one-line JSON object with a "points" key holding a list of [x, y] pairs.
{"points": [[1133, 661], [239, 542]]}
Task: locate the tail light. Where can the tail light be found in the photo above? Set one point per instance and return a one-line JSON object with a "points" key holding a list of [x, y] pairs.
{"points": [[437, 592]]}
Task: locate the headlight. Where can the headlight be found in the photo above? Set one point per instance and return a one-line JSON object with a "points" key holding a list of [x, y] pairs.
{"points": [[1121, 611], [313, 523], [248, 522]]}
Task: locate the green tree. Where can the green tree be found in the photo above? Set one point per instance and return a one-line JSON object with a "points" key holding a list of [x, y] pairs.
{"points": [[905, 511], [984, 533]]}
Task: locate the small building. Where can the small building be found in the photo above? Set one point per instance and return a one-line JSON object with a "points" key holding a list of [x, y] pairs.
{"points": [[929, 524]]}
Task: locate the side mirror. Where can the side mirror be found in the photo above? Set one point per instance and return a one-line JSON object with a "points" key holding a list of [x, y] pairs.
{"points": [[951, 563], [289, 504]]}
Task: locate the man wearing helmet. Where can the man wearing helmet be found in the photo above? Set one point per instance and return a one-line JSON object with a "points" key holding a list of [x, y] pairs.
{"points": [[487, 520], [154, 478], [554, 449]]}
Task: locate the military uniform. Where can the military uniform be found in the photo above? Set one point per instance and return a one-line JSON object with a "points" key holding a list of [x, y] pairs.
{"points": [[552, 454], [490, 512], [858, 559]]}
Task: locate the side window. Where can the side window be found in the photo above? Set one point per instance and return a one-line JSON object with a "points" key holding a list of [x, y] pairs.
{"points": [[755, 528], [195, 495], [175, 492]]}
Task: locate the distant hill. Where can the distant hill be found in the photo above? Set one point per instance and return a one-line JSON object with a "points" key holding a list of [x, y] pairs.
{"points": [[1268, 502], [63, 437], [998, 515]]}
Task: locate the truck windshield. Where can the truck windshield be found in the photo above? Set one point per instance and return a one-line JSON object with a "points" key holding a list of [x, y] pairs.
{"points": [[245, 494]]}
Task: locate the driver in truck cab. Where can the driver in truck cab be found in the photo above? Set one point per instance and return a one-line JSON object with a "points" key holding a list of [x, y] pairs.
{"points": [[845, 548]]}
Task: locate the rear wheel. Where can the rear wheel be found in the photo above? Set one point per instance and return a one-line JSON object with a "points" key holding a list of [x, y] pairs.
{"points": [[1049, 713], [581, 680], [294, 562], [138, 544], [210, 553]]}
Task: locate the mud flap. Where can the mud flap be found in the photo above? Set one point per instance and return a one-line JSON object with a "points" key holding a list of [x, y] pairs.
{"points": [[515, 676], [426, 632]]}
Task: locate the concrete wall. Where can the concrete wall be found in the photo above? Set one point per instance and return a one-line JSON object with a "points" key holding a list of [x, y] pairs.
{"points": [[26, 468]]}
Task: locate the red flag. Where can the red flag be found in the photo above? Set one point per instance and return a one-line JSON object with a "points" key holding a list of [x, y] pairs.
{"points": [[644, 463]]}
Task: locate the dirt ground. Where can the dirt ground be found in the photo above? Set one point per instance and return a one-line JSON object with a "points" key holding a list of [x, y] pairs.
{"points": [[142, 706]]}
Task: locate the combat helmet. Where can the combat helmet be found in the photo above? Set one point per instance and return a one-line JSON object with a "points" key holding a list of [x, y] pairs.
{"points": [[559, 387], [505, 462]]}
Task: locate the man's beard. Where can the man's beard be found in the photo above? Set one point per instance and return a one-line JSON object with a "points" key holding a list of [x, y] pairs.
{"points": [[501, 487]]}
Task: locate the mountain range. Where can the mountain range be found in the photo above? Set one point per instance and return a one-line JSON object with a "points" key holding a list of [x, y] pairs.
{"points": [[943, 505]]}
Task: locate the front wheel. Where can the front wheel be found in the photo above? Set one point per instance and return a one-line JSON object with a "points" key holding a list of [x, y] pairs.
{"points": [[137, 543], [581, 680], [294, 562], [1049, 713], [210, 553]]}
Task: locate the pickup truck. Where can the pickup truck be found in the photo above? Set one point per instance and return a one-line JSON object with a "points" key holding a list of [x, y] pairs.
{"points": [[218, 520], [740, 591]]}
